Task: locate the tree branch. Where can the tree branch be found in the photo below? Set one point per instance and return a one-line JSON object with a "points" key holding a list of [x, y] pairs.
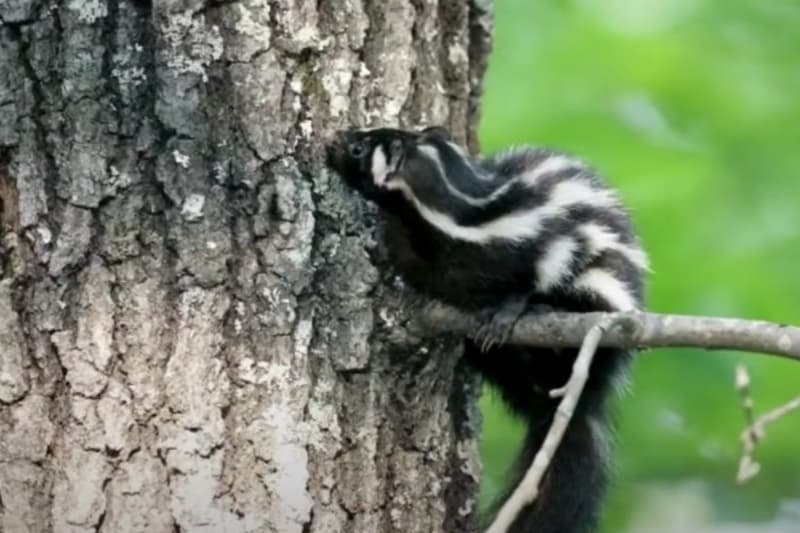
{"points": [[626, 330], [623, 330], [632, 330]]}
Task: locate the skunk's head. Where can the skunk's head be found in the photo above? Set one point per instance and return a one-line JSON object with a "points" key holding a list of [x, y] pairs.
{"points": [[375, 162]]}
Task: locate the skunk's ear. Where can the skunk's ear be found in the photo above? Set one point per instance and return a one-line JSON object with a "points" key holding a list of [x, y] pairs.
{"points": [[437, 132]]}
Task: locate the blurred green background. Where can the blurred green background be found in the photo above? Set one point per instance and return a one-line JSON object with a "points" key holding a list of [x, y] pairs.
{"points": [[691, 108]]}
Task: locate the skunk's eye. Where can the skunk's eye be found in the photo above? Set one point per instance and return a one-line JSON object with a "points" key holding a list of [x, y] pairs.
{"points": [[357, 148]]}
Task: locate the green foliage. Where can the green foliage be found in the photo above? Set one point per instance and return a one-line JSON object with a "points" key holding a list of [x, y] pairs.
{"points": [[691, 108]]}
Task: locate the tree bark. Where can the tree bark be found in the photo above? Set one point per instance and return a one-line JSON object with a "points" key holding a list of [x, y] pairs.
{"points": [[198, 331]]}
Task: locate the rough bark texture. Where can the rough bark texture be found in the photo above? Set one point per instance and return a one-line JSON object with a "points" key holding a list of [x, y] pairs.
{"points": [[197, 329]]}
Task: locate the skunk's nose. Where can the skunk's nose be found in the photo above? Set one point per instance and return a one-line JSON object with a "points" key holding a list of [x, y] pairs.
{"points": [[337, 137], [334, 148]]}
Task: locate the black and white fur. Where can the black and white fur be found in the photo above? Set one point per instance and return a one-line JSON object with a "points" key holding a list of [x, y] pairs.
{"points": [[526, 229]]}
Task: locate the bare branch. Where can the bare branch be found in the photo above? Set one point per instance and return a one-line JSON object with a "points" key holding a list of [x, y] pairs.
{"points": [[528, 489], [756, 428], [634, 330]]}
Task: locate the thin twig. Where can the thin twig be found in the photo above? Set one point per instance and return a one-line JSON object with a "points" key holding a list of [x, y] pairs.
{"points": [[743, 387], [748, 468], [777, 413], [754, 433], [635, 330], [528, 489]]}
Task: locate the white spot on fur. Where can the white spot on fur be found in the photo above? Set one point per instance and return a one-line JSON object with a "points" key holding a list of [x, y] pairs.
{"points": [[432, 153], [603, 284], [458, 149], [515, 226], [555, 262], [600, 438], [530, 177], [379, 166], [550, 165], [601, 238], [574, 191]]}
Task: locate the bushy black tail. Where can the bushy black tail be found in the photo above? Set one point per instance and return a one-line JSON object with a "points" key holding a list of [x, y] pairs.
{"points": [[574, 485]]}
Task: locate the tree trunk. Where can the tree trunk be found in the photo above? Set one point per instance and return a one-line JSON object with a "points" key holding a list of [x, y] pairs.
{"points": [[198, 331]]}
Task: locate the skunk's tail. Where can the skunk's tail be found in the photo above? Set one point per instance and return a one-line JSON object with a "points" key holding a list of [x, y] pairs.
{"points": [[570, 494]]}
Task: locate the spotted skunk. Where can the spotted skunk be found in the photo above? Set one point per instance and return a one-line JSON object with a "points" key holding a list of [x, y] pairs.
{"points": [[529, 229]]}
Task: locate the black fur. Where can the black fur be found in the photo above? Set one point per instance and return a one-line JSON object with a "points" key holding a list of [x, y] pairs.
{"points": [[488, 274]]}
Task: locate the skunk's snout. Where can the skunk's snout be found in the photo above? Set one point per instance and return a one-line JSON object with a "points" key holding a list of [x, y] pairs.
{"points": [[335, 149]]}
